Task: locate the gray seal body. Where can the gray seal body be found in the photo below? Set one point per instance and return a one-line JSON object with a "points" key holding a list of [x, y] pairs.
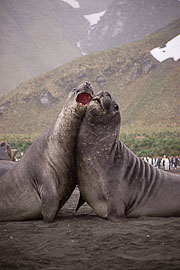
{"points": [[43, 180], [111, 178]]}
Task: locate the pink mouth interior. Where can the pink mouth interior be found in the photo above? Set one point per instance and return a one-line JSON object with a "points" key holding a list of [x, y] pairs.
{"points": [[84, 98]]}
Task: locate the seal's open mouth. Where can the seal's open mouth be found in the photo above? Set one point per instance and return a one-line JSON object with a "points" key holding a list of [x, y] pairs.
{"points": [[84, 99]]}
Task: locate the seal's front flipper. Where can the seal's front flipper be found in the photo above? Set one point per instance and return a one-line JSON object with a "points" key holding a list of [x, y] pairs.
{"points": [[80, 202], [50, 202], [50, 206]]}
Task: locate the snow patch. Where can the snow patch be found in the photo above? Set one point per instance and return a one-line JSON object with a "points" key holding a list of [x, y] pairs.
{"points": [[72, 3], [94, 18], [78, 44], [171, 50]]}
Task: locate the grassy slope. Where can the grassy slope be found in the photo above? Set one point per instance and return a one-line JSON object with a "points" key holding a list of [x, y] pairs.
{"points": [[149, 101]]}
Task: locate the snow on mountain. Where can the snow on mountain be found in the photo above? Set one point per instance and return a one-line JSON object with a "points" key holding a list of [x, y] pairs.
{"points": [[94, 18], [56, 32], [129, 20], [171, 50], [78, 44], [72, 3]]}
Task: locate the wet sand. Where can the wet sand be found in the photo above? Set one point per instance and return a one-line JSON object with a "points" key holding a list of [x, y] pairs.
{"points": [[84, 241]]}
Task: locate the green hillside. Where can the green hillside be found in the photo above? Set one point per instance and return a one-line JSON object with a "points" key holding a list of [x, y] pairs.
{"points": [[147, 91]]}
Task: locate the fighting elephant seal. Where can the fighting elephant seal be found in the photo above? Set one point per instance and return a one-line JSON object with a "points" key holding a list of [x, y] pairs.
{"points": [[7, 154], [6, 165], [5, 151], [42, 181], [111, 178]]}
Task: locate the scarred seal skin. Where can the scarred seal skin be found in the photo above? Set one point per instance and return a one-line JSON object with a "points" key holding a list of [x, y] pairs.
{"points": [[43, 180], [111, 178]]}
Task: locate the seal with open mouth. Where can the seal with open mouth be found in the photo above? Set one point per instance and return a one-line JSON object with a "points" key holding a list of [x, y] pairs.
{"points": [[111, 178], [43, 180]]}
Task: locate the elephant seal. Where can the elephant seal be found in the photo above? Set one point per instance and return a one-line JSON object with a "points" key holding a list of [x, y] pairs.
{"points": [[6, 158], [111, 178], [5, 151], [6, 165], [43, 180]]}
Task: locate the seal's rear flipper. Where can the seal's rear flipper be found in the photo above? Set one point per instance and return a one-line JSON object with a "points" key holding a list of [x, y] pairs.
{"points": [[80, 202]]}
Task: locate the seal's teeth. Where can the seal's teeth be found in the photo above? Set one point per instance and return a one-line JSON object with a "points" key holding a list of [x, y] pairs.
{"points": [[83, 104]]}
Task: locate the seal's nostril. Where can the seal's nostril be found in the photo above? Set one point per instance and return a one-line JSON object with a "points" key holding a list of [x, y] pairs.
{"points": [[87, 84]]}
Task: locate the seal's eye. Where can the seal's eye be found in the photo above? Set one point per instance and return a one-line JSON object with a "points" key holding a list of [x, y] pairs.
{"points": [[116, 107]]}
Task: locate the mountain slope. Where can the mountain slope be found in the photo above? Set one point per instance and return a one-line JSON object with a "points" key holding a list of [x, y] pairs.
{"points": [[36, 37], [129, 20], [39, 35], [146, 90]]}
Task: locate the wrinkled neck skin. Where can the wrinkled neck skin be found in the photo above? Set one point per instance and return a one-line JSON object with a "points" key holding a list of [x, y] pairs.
{"points": [[135, 172], [140, 189]]}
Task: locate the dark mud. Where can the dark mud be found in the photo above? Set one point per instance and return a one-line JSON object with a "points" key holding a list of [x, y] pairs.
{"points": [[85, 241]]}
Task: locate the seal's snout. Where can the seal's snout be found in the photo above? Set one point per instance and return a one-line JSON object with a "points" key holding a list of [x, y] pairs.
{"points": [[104, 99], [107, 101], [87, 85]]}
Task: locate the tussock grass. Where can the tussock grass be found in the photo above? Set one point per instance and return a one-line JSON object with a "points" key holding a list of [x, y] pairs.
{"points": [[142, 144]]}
